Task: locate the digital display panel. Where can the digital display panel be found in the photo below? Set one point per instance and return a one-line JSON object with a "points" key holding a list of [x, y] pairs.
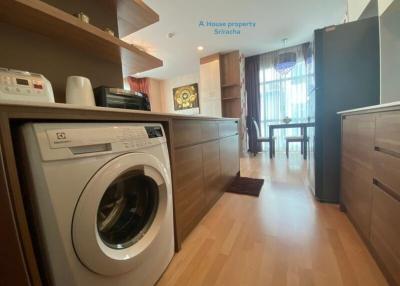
{"points": [[21, 81]]}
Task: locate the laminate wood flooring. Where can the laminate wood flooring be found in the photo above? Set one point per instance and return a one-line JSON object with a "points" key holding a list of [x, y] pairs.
{"points": [[284, 237]]}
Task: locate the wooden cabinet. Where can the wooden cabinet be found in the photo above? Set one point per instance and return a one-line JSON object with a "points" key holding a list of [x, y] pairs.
{"points": [[194, 149], [205, 161], [230, 69], [357, 167], [370, 183]]}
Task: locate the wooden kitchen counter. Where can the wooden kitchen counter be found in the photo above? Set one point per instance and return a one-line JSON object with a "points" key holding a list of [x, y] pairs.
{"points": [[370, 180], [204, 155]]}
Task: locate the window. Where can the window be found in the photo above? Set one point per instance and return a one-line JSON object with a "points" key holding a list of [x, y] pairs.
{"points": [[288, 94]]}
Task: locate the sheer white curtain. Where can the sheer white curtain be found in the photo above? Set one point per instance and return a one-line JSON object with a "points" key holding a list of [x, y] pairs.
{"points": [[287, 94]]}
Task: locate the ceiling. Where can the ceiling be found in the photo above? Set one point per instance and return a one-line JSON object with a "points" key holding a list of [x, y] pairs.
{"points": [[274, 20]]}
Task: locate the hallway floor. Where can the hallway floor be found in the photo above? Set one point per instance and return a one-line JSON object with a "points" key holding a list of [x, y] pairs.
{"points": [[284, 237]]}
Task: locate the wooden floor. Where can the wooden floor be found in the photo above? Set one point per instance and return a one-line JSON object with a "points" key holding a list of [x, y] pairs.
{"points": [[283, 237]]}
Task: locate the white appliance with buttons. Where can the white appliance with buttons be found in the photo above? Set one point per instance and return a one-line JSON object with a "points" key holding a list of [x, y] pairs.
{"points": [[24, 86], [103, 201]]}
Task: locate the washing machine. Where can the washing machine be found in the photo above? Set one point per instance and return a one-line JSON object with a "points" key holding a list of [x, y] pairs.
{"points": [[102, 200]]}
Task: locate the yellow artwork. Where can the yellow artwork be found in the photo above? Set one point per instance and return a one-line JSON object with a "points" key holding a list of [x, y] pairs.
{"points": [[186, 97]]}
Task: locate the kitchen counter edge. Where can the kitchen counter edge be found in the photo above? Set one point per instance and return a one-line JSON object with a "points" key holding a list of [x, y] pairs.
{"points": [[54, 107], [373, 108]]}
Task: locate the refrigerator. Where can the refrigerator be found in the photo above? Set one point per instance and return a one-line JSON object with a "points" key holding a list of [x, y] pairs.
{"points": [[346, 77]]}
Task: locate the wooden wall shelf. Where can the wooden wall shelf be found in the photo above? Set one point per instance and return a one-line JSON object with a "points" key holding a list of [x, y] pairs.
{"points": [[39, 17], [230, 84], [134, 15]]}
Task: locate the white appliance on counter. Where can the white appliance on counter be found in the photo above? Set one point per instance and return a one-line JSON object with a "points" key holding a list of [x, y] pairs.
{"points": [[24, 86], [103, 201]]}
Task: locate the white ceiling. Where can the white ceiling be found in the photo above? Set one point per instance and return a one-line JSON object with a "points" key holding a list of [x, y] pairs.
{"points": [[275, 20]]}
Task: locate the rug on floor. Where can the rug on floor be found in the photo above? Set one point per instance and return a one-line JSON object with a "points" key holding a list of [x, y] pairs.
{"points": [[246, 186]]}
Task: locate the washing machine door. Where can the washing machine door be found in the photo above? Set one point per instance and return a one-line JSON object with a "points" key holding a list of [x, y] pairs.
{"points": [[119, 213]]}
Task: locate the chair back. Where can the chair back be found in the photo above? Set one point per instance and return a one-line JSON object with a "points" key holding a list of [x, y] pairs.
{"points": [[255, 126]]}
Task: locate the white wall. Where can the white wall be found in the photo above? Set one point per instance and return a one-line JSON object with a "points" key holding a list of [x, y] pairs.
{"points": [[210, 89], [166, 87], [383, 5], [390, 53], [389, 22], [355, 8], [208, 79]]}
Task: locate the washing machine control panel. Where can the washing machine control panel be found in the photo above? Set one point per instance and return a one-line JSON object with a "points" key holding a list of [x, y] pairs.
{"points": [[154, 131], [110, 138]]}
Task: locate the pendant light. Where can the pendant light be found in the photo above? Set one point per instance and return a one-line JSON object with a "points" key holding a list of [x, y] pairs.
{"points": [[285, 60]]}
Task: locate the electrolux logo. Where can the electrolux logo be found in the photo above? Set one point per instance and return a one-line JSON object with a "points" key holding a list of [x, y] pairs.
{"points": [[60, 138], [230, 28], [61, 135]]}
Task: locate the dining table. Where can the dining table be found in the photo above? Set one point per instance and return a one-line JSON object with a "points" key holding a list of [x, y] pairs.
{"points": [[302, 125]]}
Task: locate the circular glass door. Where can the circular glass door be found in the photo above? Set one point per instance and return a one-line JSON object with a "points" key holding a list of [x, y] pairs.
{"points": [[120, 212], [127, 209]]}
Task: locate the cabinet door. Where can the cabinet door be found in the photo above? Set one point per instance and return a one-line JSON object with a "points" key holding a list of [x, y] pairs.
{"points": [[189, 193], [229, 152], [212, 172], [357, 169], [385, 232]]}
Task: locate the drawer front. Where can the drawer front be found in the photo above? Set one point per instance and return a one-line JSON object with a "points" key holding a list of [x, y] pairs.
{"points": [[356, 193], [209, 130], [189, 194], [186, 132], [388, 131], [385, 231], [387, 171], [228, 128]]}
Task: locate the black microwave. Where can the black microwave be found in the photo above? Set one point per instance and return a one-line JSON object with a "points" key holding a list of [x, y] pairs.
{"points": [[121, 98]]}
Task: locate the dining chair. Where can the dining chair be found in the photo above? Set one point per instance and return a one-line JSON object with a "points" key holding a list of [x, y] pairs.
{"points": [[296, 139], [264, 140]]}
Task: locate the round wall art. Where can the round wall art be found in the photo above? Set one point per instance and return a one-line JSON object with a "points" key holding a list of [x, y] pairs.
{"points": [[186, 97]]}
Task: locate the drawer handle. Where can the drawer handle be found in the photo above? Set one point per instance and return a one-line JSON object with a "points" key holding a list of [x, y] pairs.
{"points": [[386, 189], [387, 152]]}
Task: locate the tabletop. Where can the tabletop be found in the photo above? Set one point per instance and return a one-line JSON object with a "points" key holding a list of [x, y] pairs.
{"points": [[293, 125]]}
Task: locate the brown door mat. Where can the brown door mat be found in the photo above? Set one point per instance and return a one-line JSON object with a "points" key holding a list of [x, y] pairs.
{"points": [[246, 186]]}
